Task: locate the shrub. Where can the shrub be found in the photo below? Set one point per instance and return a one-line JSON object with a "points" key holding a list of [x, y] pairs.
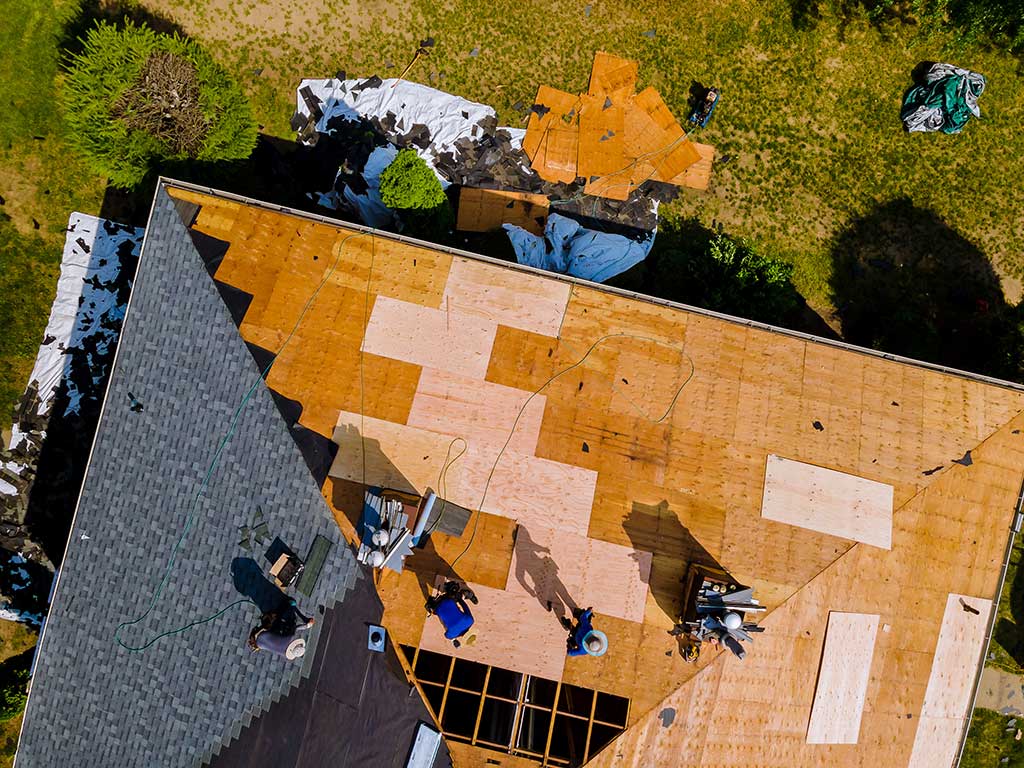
{"points": [[12, 692], [408, 183], [134, 97]]}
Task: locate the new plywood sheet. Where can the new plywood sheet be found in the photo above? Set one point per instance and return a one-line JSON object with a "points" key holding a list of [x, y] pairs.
{"points": [[482, 413], [434, 338], [531, 490], [951, 682], [513, 631], [843, 678], [827, 501], [517, 299], [387, 455], [580, 572]]}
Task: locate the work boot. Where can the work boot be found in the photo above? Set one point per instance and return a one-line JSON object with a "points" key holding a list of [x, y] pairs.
{"points": [[468, 594]]}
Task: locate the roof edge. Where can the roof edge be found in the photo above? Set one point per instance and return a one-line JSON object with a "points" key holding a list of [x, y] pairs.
{"points": [[231, 196], [55, 591]]}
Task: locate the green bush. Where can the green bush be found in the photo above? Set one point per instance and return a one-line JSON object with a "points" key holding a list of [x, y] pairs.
{"points": [[134, 97], [693, 265], [13, 692], [409, 184]]}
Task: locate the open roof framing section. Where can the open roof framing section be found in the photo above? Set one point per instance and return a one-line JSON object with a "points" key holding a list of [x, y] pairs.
{"points": [[251, 201]]}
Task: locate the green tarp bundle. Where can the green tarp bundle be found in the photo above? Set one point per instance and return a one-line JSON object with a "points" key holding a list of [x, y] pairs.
{"points": [[945, 101]]}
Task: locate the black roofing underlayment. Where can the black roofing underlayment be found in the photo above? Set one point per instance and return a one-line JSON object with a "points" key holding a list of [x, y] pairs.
{"points": [[94, 703]]}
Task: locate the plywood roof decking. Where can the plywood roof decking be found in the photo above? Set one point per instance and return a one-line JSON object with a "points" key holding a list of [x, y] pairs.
{"points": [[827, 501], [686, 487], [950, 685], [843, 678]]}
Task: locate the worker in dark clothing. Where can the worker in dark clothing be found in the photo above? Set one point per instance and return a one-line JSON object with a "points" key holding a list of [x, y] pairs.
{"points": [[583, 639], [277, 630], [449, 605]]}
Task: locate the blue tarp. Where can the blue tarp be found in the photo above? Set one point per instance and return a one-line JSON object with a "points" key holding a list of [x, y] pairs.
{"points": [[571, 249]]}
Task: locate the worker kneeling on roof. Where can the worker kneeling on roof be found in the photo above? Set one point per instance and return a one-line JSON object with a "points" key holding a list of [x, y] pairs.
{"points": [[583, 639], [449, 605]]}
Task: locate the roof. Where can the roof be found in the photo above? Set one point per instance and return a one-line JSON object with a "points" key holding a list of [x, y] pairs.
{"points": [[605, 441], [181, 700]]}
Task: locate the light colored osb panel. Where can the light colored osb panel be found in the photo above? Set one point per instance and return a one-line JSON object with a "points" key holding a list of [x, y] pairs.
{"points": [[521, 300], [513, 631], [843, 678], [386, 455], [434, 338], [951, 682], [485, 210], [481, 413], [827, 501], [578, 572], [521, 487]]}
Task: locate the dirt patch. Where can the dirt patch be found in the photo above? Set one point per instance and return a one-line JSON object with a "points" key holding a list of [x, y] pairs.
{"points": [[19, 187]]}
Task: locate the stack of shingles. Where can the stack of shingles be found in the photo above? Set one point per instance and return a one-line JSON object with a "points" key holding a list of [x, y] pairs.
{"points": [[611, 136]]}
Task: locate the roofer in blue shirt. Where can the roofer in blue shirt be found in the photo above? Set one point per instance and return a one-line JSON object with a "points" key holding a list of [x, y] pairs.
{"points": [[449, 605], [583, 639]]}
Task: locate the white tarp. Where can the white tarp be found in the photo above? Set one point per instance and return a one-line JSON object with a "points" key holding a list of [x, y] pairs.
{"points": [[85, 312], [447, 117], [570, 248]]}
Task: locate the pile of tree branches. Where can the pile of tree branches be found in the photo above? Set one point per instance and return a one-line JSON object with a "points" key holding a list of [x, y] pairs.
{"points": [[164, 102], [134, 98]]}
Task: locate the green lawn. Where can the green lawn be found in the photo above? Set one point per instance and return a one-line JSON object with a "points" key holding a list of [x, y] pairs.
{"points": [[990, 741], [809, 119]]}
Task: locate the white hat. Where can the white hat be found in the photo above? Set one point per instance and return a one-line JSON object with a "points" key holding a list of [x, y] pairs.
{"points": [[595, 643]]}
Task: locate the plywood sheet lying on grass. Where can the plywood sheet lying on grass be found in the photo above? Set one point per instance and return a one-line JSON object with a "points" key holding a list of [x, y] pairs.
{"points": [[525, 301], [698, 175], [843, 678], [434, 338], [513, 631], [827, 501], [579, 572], [948, 696], [613, 76]]}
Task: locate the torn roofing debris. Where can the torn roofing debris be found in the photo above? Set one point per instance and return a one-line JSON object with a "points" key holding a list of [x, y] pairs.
{"points": [[624, 154]]}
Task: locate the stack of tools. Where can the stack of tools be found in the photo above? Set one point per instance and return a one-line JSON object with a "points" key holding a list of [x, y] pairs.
{"points": [[715, 612]]}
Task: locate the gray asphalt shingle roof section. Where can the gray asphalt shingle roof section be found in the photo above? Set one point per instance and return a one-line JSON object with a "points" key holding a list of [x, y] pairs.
{"points": [[92, 702]]}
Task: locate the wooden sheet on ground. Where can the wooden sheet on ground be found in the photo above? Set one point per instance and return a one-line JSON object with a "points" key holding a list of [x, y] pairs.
{"points": [[513, 631], [951, 682], [528, 302], [698, 175], [843, 678], [433, 338], [485, 210], [602, 138], [577, 572], [613, 76], [827, 501]]}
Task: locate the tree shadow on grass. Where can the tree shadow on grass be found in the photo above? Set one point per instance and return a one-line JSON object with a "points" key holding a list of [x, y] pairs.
{"points": [[116, 12], [681, 268], [905, 282], [1009, 632]]}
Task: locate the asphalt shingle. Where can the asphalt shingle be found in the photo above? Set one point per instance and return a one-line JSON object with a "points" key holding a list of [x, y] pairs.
{"points": [[93, 702]]}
